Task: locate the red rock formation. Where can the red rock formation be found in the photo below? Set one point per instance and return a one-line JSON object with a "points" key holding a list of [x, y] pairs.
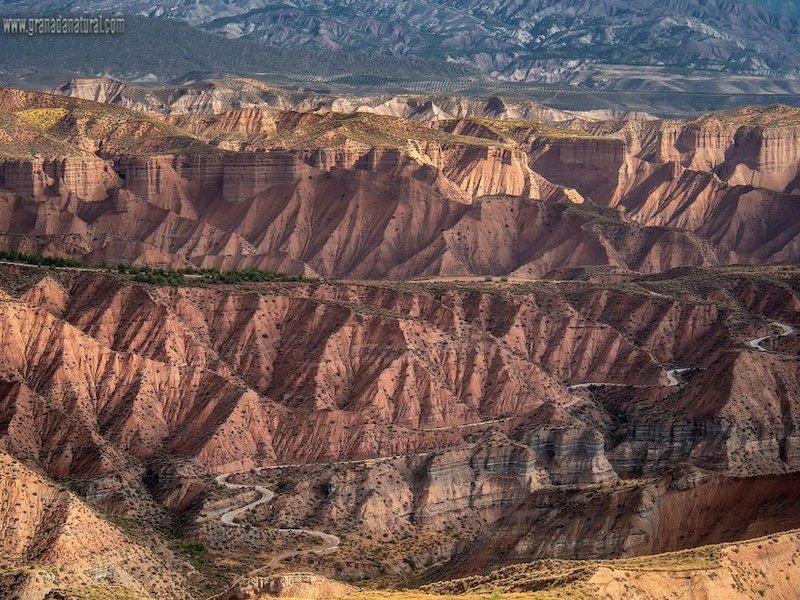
{"points": [[84, 177], [374, 196], [236, 378], [136, 393], [754, 155]]}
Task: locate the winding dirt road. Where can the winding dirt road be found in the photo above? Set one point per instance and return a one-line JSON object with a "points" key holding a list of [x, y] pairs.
{"points": [[468, 425], [673, 374], [672, 379], [229, 517], [329, 541], [583, 386], [756, 343]]}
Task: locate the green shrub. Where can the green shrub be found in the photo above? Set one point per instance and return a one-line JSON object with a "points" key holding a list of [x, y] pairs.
{"points": [[39, 260], [158, 275], [193, 550]]}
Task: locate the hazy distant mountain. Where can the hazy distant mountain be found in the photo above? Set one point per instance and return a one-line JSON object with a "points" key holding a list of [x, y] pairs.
{"points": [[176, 51], [786, 7], [528, 40]]}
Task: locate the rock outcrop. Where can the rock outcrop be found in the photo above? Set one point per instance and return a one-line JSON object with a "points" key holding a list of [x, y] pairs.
{"points": [[63, 544], [82, 177], [288, 585], [764, 567], [755, 147]]}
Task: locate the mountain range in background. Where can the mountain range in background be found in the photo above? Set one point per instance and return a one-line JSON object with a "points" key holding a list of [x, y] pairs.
{"points": [[786, 7], [665, 56], [534, 40]]}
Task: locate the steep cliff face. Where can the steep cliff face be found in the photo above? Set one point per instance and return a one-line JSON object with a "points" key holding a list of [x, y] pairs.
{"points": [[274, 211], [185, 185], [593, 167], [686, 509], [474, 170], [109, 91], [468, 487], [390, 146], [84, 177], [698, 147], [758, 155], [367, 195], [748, 386], [775, 164], [752, 146]]}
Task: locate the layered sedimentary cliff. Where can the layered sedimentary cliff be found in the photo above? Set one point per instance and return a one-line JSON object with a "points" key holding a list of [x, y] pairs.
{"points": [[367, 195], [85, 177], [757, 147], [277, 212]]}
